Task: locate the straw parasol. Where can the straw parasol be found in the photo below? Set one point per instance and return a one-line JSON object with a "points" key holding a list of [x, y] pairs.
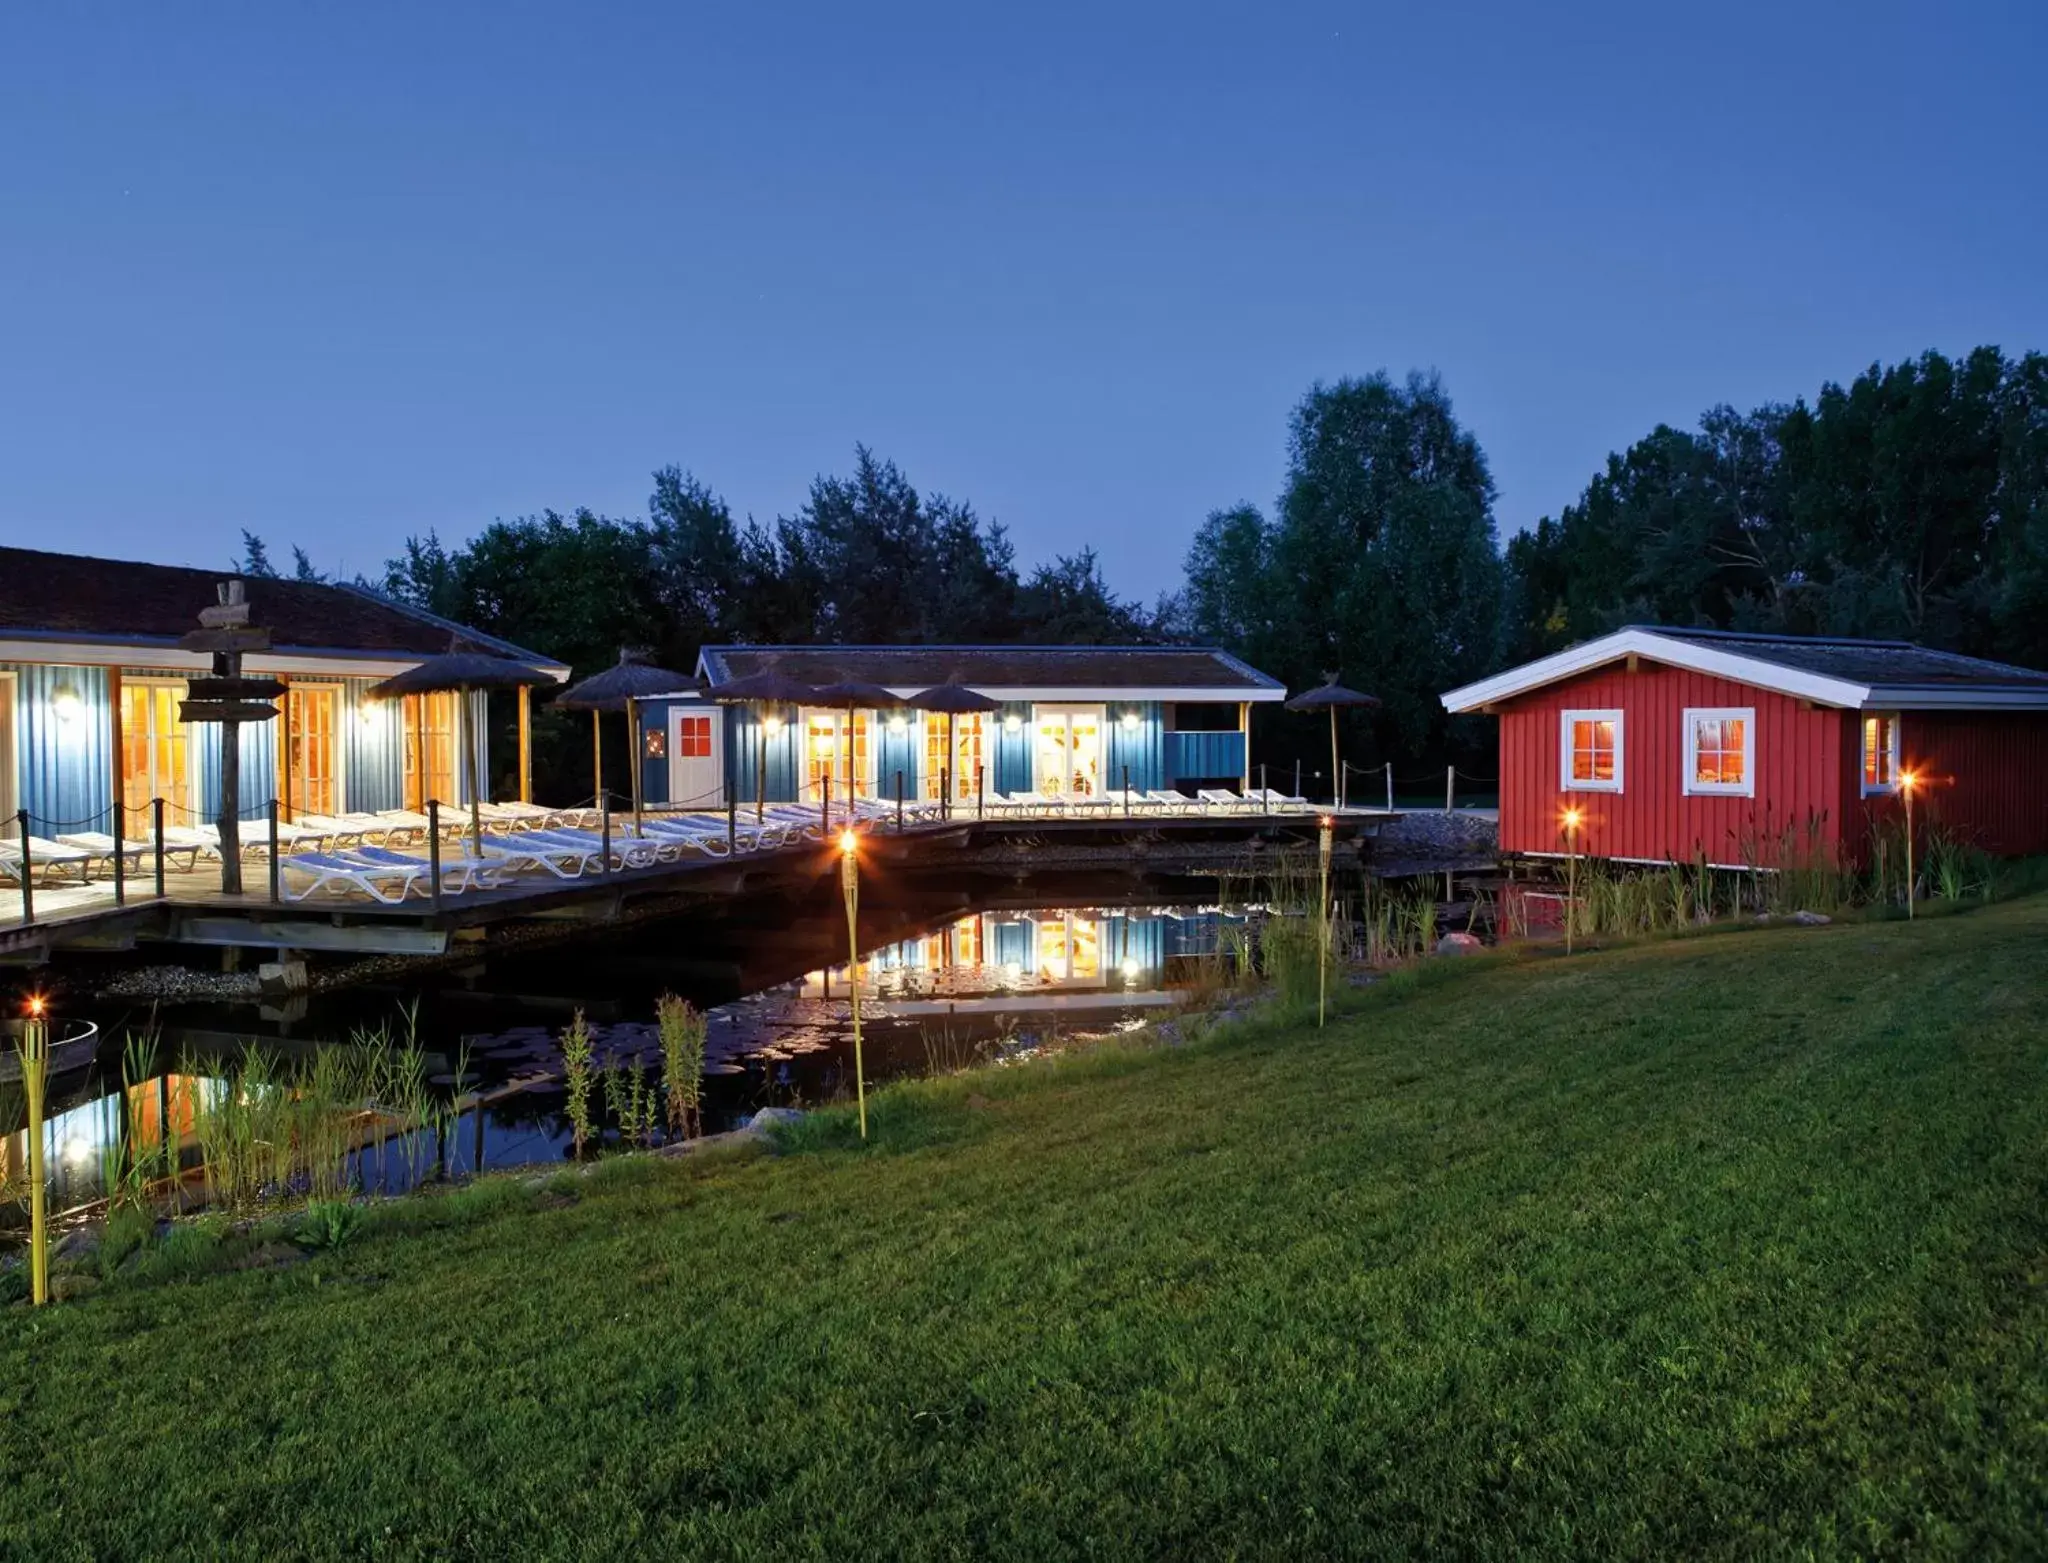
{"points": [[461, 673], [1333, 697], [622, 687], [949, 701], [850, 696], [763, 689]]}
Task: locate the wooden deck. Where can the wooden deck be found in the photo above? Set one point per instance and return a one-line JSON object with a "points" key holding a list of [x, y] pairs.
{"points": [[193, 910]]}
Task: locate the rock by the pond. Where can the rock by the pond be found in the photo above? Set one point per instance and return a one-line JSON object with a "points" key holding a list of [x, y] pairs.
{"points": [[1460, 944], [768, 1117], [1812, 919], [80, 1245], [69, 1288]]}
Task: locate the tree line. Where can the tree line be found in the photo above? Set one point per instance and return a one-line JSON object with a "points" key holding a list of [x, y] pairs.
{"points": [[1912, 502]]}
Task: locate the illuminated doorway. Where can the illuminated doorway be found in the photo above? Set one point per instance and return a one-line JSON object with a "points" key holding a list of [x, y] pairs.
{"points": [[1069, 750], [306, 770], [155, 758]]}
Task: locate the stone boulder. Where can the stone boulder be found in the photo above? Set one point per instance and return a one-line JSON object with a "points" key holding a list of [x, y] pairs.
{"points": [[1460, 944]]}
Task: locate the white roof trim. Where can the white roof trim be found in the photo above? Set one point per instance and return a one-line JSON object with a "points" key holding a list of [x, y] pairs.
{"points": [[1574, 660]]}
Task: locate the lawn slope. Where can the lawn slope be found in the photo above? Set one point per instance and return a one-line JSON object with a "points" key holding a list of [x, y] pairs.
{"points": [[1728, 1246]]}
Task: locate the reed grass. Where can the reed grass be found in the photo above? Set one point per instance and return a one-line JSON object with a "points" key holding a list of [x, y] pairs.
{"points": [[683, 1029], [577, 1055]]}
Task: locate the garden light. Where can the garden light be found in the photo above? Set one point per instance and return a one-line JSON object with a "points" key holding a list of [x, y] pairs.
{"points": [[849, 887]]}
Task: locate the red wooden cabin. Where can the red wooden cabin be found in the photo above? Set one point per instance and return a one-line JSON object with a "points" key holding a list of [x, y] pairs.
{"points": [[1663, 745]]}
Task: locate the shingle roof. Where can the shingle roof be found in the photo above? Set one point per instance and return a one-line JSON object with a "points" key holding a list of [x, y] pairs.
{"points": [[1135, 668], [72, 597], [1880, 662]]}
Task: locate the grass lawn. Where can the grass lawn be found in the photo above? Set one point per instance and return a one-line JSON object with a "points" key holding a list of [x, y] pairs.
{"points": [[1730, 1246]]}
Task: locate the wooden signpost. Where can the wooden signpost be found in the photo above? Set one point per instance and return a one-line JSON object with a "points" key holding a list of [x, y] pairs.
{"points": [[229, 699]]}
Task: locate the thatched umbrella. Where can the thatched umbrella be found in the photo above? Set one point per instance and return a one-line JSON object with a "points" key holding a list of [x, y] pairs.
{"points": [[764, 689], [621, 688], [949, 701], [460, 673], [850, 696], [1333, 697]]}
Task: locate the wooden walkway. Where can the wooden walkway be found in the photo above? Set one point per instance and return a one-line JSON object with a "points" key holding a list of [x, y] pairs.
{"points": [[194, 911]]}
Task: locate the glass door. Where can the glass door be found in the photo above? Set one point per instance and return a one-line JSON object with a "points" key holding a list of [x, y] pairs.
{"points": [[306, 769], [430, 750], [960, 767], [1069, 751], [827, 737], [155, 758]]}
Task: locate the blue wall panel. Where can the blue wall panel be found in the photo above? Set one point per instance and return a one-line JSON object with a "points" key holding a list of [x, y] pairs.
{"points": [[900, 750], [1138, 940], [1011, 771], [1209, 755], [372, 750], [1139, 745], [654, 770], [65, 768], [742, 746]]}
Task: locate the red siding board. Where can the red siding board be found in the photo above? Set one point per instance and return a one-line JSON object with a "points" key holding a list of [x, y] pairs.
{"points": [[1796, 752], [1808, 763]]}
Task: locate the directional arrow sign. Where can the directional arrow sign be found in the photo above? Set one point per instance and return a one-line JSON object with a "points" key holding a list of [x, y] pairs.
{"points": [[225, 711], [233, 688], [248, 638]]}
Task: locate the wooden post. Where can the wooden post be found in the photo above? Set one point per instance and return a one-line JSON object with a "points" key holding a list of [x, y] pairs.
{"points": [[276, 869], [732, 824], [604, 828], [284, 755], [156, 809], [229, 821], [1450, 789], [525, 744], [28, 871], [1390, 786], [120, 835], [634, 745], [434, 849], [825, 800], [980, 795], [899, 803]]}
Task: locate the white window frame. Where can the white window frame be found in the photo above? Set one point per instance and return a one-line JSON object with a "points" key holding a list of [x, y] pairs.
{"points": [[1891, 720], [1695, 788], [1566, 782]]}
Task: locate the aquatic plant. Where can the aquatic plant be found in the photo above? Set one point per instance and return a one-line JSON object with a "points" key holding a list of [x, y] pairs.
{"points": [[330, 1224], [632, 1101], [577, 1053], [683, 1029]]}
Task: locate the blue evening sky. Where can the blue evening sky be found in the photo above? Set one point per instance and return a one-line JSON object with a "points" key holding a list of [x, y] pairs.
{"points": [[342, 272]]}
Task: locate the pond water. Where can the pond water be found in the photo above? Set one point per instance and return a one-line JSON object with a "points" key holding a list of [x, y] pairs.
{"points": [[939, 989]]}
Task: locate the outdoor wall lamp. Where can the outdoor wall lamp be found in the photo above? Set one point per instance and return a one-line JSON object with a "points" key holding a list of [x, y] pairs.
{"points": [[772, 722], [67, 705], [1130, 721], [897, 724], [1013, 723]]}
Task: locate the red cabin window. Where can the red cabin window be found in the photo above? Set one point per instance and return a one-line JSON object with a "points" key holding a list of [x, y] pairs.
{"points": [[1717, 752], [693, 738], [1880, 753], [1590, 751]]}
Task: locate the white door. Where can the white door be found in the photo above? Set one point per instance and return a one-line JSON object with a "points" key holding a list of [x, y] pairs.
{"points": [[696, 758], [1068, 757]]}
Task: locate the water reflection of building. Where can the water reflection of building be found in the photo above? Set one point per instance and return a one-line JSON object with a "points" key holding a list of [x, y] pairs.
{"points": [[78, 1139], [1039, 950]]}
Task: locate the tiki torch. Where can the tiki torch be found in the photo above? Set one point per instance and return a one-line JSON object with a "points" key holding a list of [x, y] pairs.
{"points": [[1326, 834], [849, 886], [35, 1063]]}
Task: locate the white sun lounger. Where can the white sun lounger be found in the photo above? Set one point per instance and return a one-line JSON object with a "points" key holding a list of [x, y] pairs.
{"points": [[344, 828], [459, 870], [1030, 803], [1226, 802], [627, 849], [529, 851], [46, 857], [1268, 798], [1168, 801], [141, 854], [324, 873], [703, 835]]}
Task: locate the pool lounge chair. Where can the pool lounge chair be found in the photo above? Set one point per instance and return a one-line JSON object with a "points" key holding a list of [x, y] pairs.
{"points": [[707, 836], [1168, 801], [527, 852], [1029, 803], [627, 849], [1118, 800], [1269, 798], [1225, 802], [254, 837], [140, 854], [342, 829], [459, 870], [45, 857], [324, 873]]}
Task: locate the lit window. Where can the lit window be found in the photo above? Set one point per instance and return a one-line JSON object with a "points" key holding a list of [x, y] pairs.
{"points": [[1717, 752], [693, 738], [1590, 751], [1880, 753]]}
